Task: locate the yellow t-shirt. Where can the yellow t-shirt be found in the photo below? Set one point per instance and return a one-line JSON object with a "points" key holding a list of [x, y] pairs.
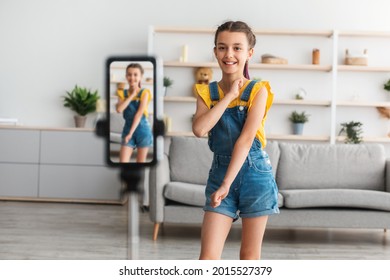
{"points": [[204, 92], [121, 95]]}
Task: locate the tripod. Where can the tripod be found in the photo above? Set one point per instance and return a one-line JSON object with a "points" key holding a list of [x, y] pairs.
{"points": [[132, 178]]}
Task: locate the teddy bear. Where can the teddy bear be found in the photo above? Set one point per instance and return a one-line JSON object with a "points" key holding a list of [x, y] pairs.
{"points": [[203, 75]]}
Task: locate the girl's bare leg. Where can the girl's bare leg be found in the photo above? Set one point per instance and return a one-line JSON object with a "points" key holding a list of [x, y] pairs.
{"points": [[142, 153], [125, 154], [252, 237], [215, 230]]}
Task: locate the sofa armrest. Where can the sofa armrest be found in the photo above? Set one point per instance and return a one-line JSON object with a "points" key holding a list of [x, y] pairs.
{"points": [[387, 178], [158, 178]]}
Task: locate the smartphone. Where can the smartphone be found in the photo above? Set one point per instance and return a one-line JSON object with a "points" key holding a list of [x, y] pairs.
{"points": [[134, 109]]}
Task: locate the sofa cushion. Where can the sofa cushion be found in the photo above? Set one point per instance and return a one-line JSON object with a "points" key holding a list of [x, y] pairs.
{"points": [[365, 199], [116, 126], [280, 200], [190, 160], [324, 166], [116, 123], [115, 137], [273, 152], [191, 194]]}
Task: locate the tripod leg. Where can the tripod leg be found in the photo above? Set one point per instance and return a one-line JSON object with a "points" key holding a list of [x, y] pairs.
{"points": [[133, 223]]}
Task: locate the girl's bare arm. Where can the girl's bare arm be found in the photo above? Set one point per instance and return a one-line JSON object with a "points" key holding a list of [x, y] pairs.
{"points": [[205, 119], [122, 104]]}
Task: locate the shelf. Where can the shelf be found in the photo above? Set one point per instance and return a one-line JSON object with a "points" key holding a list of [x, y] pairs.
{"points": [[297, 137], [190, 64], [287, 32], [364, 34], [191, 99], [304, 67], [281, 32], [125, 82], [362, 104], [303, 102], [264, 66], [356, 68], [276, 102], [160, 29], [180, 99], [43, 128], [124, 66]]}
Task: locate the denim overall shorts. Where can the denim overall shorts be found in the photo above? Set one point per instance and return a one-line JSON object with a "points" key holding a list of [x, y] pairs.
{"points": [[142, 136], [254, 192]]}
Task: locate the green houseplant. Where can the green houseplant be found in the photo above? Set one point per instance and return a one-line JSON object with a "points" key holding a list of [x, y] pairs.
{"points": [[82, 101], [387, 85], [168, 82], [353, 132], [298, 120]]}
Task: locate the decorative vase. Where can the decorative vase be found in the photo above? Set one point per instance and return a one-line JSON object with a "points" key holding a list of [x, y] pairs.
{"points": [[80, 120], [298, 128]]}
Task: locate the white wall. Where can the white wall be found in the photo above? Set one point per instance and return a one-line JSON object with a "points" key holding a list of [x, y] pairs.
{"points": [[48, 46]]}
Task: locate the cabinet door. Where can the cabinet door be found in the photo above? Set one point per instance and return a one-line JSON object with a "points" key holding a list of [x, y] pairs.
{"points": [[18, 179], [19, 146], [79, 182], [72, 147]]}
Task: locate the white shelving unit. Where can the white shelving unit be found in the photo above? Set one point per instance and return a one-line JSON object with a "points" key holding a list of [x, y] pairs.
{"points": [[333, 103]]}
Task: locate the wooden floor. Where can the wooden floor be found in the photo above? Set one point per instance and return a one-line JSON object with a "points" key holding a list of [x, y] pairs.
{"points": [[31, 230]]}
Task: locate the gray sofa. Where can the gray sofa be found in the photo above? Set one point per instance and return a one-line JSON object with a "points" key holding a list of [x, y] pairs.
{"points": [[116, 126], [320, 185]]}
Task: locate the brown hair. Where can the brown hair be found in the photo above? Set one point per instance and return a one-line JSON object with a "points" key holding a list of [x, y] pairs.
{"points": [[138, 66], [238, 26]]}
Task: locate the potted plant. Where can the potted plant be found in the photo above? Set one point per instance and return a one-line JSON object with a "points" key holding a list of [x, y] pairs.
{"points": [[82, 101], [301, 94], [353, 131], [168, 82], [298, 120], [387, 85]]}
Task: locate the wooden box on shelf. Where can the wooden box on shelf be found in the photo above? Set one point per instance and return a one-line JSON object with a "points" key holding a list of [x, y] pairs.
{"points": [[356, 60]]}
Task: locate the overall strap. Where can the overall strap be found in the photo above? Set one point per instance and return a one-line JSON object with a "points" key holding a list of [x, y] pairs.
{"points": [[247, 91], [140, 93], [214, 94], [125, 93]]}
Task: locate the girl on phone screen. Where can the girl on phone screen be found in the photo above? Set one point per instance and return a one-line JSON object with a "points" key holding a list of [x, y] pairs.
{"points": [[133, 103]]}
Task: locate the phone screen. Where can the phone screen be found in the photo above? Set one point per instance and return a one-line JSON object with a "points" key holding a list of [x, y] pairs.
{"points": [[133, 114]]}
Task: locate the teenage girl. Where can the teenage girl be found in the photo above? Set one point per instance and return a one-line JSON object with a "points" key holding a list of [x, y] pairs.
{"points": [[133, 103], [233, 113]]}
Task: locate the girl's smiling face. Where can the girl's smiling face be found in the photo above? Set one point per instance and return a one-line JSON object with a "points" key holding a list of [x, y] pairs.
{"points": [[133, 76], [232, 51]]}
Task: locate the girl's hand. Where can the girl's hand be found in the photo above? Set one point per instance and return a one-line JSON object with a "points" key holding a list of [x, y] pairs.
{"points": [[235, 88], [135, 90], [132, 94], [127, 138], [218, 195]]}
